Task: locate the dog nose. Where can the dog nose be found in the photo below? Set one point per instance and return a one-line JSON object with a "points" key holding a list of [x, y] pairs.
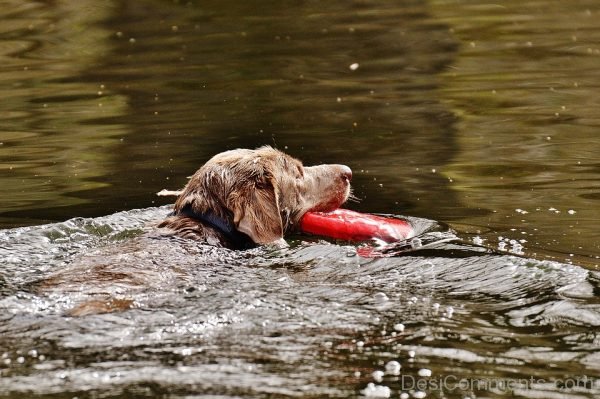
{"points": [[346, 172]]}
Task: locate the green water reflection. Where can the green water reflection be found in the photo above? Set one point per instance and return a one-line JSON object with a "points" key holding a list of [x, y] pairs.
{"points": [[457, 111], [525, 89]]}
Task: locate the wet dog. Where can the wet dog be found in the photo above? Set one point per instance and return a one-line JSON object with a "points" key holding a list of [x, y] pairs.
{"points": [[242, 198], [239, 199]]}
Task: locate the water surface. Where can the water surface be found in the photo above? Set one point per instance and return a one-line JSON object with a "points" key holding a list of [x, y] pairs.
{"points": [[482, 116], [312, 320]]}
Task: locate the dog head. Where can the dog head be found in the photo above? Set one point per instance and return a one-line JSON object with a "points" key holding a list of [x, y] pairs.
{"points": [[263, 192]]}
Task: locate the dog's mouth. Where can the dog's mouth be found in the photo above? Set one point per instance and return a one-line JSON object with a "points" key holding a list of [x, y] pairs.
{"points": [[293, 221], [334, 202], [339, 191]]}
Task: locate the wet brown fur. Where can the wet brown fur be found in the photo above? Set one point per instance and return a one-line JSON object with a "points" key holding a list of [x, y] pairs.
{"points": [[262, 192]]}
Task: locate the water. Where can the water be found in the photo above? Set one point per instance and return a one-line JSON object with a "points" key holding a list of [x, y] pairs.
{"points": [[315, 319], [482, 116]]}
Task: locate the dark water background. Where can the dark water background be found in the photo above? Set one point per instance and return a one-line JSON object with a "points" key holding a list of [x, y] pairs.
{"points": [[483, 116]]}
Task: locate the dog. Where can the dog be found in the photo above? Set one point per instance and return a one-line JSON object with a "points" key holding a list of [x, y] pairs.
{"points": [[240, 199], [243, 198]]}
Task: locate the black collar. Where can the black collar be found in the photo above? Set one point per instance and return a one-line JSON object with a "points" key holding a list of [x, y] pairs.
{"points": [[238, 239]]}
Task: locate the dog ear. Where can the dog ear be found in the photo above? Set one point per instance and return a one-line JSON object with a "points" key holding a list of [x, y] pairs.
{"points": [[256, 211]]}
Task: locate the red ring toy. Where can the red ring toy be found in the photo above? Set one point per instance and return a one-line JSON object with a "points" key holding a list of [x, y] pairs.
{"points": [[344, 224]]}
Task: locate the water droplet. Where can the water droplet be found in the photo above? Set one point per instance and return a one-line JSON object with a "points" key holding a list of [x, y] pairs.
{"points": [[376, 391], [378, 375], [424, 373], [354, 66], [393, 367], [186, 352], [381, 297]]}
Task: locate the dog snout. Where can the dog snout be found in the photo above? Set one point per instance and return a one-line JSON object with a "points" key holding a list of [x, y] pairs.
{"points": [[346, 173]]}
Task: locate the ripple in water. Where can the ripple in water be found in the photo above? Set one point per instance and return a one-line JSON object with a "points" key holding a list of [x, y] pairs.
{"points": [[315, 319]]}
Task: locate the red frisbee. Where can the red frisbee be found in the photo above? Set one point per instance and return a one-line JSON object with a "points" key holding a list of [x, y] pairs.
{"points": [[344, 224]]}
